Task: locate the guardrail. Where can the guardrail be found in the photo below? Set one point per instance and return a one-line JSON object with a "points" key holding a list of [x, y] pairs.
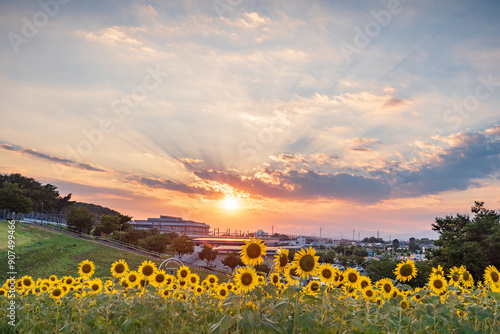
{"points": [[121, 245]]}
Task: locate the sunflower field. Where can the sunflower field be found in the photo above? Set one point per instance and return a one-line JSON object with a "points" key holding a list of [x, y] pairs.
{"points": [[301, 296]]}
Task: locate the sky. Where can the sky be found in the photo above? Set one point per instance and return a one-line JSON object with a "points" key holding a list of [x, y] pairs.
{"points": [[298, 117]]}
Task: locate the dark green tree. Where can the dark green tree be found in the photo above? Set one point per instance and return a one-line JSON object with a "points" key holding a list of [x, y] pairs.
{"points": [[208, 254], [156, 243], [472, 242], [395, 244], [13, 198], [183, 245], [232, 260], [80, 219], [107, 225]]}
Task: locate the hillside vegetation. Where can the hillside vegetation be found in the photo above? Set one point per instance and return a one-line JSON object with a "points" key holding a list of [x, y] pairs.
{"points": [[41, 253]]}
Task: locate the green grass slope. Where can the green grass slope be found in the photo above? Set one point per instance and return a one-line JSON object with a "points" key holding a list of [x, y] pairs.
{"points": [[41, 253]]}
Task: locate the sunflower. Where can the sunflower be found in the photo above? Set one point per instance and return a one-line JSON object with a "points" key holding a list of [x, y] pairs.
{"points": [[3, 292], [95, 285], [252, 252], [465, 277], [119, 268], [351, 277], [404, 303], [281, 259], [165, 293], [438, 284], [338, 277], [290, 274], [193, 279], [86, 269], [68, 280], [56, 293], [124, 283], [170, 279], [183, 272], [491, 276], [386, 287], [405, 271], [159, 278], [211, 279], [58, 302], [53, 278], [246, 278], [369, 293], [28, 282], [222, 291], [147, 269], [327, 273], [306, 262], [364, 282], [313, 287], [454, 276], [198, 290], [274, 278], [132, 278], [438, 271]]}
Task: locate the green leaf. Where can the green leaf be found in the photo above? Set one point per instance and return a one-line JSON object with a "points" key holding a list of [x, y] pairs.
{"points": [[270, 324]]}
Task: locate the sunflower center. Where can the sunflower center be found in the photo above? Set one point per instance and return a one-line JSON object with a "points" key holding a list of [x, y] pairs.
{"points": [[455, 277], [124, 284], [119, 268], [275, 279], [253, 251], [293, 272], [387, 287], [222, 292], [132, 278], [69, 281], [95, 287], [465, 276], [193, 279], [246, 279], [494, 276], [327, 273], [438, 284], [184, 273], [369, 293], [314, 286], [283, 260], [307, 263], [86, 268], [160, 278], [57, 292], [406, 270], [352, 277], [147, 270], [27, 282], [364, 284], [212, 280]]}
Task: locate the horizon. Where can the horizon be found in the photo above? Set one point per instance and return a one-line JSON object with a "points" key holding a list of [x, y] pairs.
{"points": [[291, 115]]}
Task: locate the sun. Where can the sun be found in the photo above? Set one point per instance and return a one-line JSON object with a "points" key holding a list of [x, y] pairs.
{"points": [[230, 203]]}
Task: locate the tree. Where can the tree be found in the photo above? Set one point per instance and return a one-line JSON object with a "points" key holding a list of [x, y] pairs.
{"points": [[395, 244], [183, 245], [107, 225], [413, 247], [13, 199], [80, 219], [208, 254], [156, 243], [472, 242], [232, 260]]}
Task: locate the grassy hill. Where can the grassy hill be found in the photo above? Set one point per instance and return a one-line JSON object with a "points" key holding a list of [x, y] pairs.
{"points": [[41, 253]]}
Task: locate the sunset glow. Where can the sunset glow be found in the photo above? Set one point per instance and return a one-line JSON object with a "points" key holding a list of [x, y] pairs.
{"points": [[300, 117]]}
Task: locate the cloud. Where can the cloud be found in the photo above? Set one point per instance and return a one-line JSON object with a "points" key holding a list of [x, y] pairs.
{"points": [[304, 185], [469, 157], [66, 162]]}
